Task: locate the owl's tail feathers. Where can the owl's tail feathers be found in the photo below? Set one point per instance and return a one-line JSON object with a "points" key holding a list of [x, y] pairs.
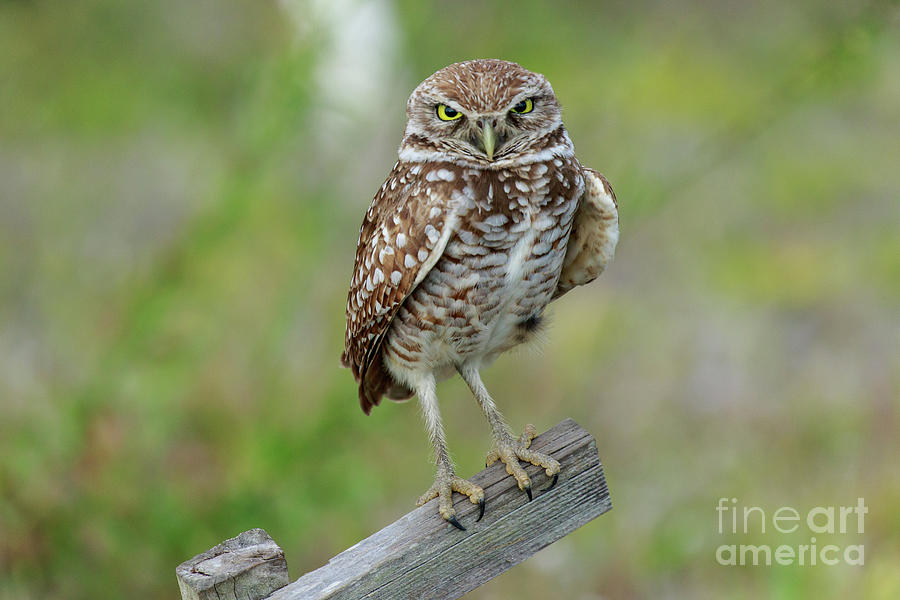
{"points": [[399, 393], [377, 382]]}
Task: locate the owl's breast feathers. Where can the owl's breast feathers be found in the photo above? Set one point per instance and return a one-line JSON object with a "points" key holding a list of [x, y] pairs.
{"points": [[406, 230]]}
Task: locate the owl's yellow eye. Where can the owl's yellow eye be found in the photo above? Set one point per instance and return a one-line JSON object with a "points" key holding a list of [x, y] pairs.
{"points": [[445, 113], [525, 106]]}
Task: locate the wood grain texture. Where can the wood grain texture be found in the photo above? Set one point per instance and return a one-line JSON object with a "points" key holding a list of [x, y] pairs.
{"points": [[247, 567], [421, 556]]}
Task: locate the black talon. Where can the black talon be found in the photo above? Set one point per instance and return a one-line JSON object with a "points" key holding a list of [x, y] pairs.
{"points": [[528, 491], [455, 523], [552, 483], [480, 510]]}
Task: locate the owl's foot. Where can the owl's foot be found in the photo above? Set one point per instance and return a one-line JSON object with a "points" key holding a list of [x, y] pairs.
{"points": [[511, 451], [445, 483]]}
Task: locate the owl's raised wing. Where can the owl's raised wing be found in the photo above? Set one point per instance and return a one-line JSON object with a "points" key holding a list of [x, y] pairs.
{"points": [[595, 232], [403, 235]]}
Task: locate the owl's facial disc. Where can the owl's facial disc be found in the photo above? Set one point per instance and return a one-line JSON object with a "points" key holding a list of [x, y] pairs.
{"points": [[498, 134], [486, 112], [495, 134]]}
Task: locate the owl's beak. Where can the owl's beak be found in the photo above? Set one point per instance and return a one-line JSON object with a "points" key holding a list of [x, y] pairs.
{"points": [[488, 138]]}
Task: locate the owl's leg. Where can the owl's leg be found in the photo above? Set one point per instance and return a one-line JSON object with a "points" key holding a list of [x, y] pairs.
{"points": [[445, 482], [506, 448]]}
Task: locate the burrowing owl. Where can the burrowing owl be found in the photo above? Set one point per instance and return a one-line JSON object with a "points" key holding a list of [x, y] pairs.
{"points": [[485, 218]]}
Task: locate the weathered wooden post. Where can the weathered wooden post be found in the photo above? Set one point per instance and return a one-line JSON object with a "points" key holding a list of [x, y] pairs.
{"points": [[250, 565], [420, 555]]}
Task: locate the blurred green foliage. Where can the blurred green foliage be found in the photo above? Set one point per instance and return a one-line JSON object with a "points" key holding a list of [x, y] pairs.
{"points": [[181, 185]]}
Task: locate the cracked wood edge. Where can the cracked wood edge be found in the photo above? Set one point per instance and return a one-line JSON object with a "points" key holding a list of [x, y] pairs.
{"points": [[249, 566]]}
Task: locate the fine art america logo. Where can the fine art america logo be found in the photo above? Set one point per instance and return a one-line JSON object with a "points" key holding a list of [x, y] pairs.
{"points": [[849, 521]]}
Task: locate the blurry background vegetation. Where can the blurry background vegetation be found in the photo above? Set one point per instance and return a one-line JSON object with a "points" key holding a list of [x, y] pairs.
{"points": [[181, 185]]}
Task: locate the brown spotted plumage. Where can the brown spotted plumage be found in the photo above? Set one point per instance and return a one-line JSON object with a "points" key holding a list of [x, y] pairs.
{"points": [[486, 218]]}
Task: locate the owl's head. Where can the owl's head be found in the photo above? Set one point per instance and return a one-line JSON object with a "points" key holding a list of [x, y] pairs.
{"points": [[482, 112]]}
